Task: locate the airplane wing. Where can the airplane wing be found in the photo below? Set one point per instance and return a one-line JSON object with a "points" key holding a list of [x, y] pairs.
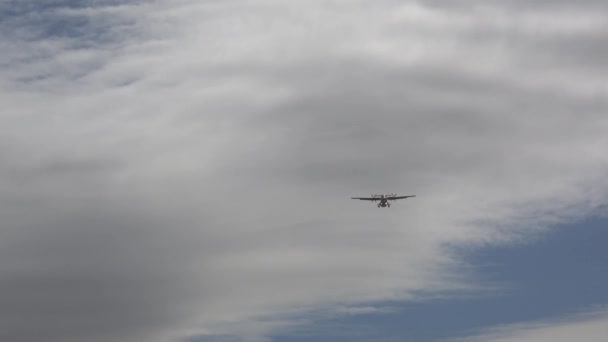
{"points": [[400, 197], [366, 198]]}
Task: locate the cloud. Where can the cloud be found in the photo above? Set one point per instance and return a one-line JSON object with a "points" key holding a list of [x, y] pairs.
{"points": [[189, 170], [591, 326]]}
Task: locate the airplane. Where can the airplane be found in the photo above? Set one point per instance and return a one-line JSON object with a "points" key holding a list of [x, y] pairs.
{"points": [[383, 199]]}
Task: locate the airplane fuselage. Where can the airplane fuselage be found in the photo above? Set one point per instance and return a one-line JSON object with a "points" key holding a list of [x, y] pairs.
{"points": [[383, 202]]}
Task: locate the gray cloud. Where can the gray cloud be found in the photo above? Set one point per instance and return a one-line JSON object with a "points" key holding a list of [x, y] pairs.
{"points": [[191, 175], [520, 4]]}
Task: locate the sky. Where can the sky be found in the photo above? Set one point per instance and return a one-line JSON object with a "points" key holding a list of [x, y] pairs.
{"points": [[181, 171]]}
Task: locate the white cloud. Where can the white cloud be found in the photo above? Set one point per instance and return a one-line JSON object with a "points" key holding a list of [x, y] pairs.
{"points": [[193, 173]]}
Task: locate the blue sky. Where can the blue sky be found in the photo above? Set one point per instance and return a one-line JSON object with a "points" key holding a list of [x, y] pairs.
{"points": [[183, 170], [559, 274]]}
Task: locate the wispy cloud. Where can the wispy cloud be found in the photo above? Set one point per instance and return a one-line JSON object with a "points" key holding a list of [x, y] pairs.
{"points": [[591, 326], [173, 168]]}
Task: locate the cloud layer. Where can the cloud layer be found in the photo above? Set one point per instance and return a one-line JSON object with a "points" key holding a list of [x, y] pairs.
{"points": [[180, 168]]}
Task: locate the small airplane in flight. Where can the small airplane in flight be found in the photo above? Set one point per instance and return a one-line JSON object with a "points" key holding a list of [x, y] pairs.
{"points": [[383, 199]]}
